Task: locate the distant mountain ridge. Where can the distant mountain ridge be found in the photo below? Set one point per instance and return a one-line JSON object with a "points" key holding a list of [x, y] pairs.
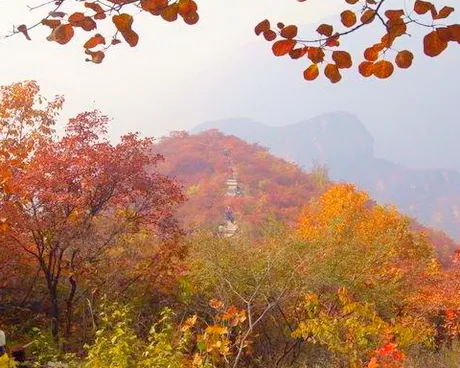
{"points": [[340, 141]]}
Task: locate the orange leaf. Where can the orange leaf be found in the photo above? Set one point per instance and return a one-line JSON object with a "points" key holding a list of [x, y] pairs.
{"points": [[373, 363], [283, 47], [383, 69], [311, 73], [332, 73], [404, 59], [388, 39], [52, 23], [348, 18], [454, 30], [394, 14], [23, 29], [100, 14], [96, 56], [263, 26], [378, 47], [333, 41], [123, 22], [433, 45], [351, 2], [366, 68], [191, 18], [169, 13], [325, 29], [422, 7], [371, 54], [298, 53], [316, 54], [154, 6], [62, 34], [80, 20], [396, 27], [289, 32], [186, 7], [444, 34], [342, 59], [368, 16], [131, 37], [94, 41], [280, 25], [444, 12]]}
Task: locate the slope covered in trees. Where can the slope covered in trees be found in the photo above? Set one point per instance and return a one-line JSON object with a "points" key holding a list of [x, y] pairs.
{"points": [[273, 188], [341, 142]]}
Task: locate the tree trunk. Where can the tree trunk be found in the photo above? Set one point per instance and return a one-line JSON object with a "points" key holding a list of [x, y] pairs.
{"points": [[69, 307], [54, 313]]}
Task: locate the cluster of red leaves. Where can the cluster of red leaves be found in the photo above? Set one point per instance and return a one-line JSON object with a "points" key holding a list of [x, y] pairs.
{"points": [[452, 323], [375, 63], [63, 26], [388, 356]]}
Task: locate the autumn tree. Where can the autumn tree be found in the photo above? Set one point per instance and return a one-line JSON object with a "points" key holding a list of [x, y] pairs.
{"points": [[322, 50], [68, 200], [26, 122], [369, 249], [261, 276]]}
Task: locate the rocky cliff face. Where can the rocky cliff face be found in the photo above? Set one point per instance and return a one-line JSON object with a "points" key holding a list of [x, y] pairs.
{"points": [[340, 141]]}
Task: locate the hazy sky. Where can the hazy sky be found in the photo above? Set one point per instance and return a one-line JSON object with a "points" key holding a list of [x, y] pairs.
{"points": [[141, 88], [180, 75]]}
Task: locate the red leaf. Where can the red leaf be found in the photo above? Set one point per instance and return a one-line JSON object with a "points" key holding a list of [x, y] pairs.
{"points": [[404, 59], [80, 20], [270, 35], [187, 7], [368, 16], [342, 59], [170, 13], [325, 30], [52, 23], [331, 71], [123, 22], [100, 14], [131, 37], [262, 27], [298, 53], [191, 18], [394, 14], [433, 45], [316, 54], [96, 56], [444, 12], [61, 34], [289, 32], [422, 7], [283, 47], [94, 41]]}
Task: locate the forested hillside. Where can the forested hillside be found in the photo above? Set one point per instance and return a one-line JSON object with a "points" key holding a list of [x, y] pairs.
{"points": [[274, 189], [341, 142]]}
